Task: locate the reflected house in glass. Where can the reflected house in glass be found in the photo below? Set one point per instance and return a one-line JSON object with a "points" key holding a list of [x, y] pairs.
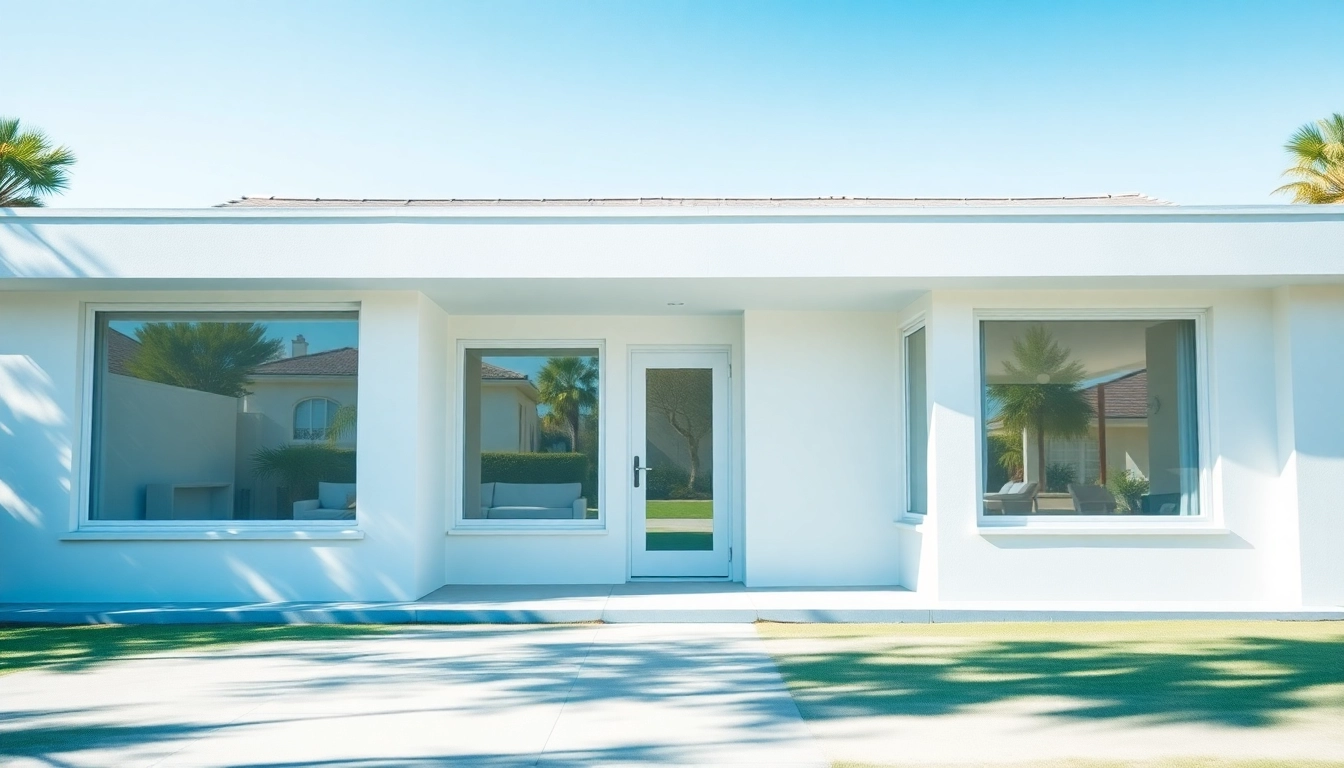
{"points": [[1073, 400]]}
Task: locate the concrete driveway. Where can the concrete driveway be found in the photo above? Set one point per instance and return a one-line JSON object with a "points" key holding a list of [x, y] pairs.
{"points": [[489, 696]]}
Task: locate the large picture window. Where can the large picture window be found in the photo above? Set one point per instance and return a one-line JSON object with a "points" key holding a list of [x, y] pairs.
{"points": [[531, 434], [1090, 417], [224, 416]]}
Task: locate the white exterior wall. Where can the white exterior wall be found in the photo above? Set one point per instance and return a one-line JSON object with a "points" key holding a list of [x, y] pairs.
{"points": [[431, 441], [825, 472], [1309, 329], [402, 342], [811, 303], [587, 556]]}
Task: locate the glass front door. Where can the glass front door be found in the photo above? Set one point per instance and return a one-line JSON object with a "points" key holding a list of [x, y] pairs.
{"points": [[679, 464]]}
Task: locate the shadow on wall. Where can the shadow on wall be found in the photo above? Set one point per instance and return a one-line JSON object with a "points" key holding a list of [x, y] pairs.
{"points": [[69, 260], [35, 450], [1120, 541]]}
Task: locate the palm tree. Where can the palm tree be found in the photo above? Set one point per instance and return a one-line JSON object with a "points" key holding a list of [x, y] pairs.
{"points": [[1007, 447], [568, 386], [1319, 149], [208, 357], [29, 166], [1044, 396]]}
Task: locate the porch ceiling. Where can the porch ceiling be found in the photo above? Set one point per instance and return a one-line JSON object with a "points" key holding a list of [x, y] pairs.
{"points": [[650, 296]]}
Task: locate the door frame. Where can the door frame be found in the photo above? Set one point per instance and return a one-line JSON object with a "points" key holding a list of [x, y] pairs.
{"points": [[729, 495]]}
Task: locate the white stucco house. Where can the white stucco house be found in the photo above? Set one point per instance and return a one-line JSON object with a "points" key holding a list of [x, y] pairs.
{"points": [[1077, 400]]}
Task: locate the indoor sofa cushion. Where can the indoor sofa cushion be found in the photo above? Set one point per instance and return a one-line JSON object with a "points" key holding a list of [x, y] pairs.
{"points": [[531, 513], [487, 495], [544, 495], [335, 495]]}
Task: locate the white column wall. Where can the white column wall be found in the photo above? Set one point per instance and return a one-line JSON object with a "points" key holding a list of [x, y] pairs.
{"points": [[1309, 328], [825, 476], [41, 405], [593, 556], [1239, 565], [435, 361], [917, 558]]}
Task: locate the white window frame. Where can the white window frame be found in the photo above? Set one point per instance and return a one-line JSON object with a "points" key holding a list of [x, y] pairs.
{"points": [[294, 415], [1209, 518], [83, 527], [914, 325], [457, 488]]}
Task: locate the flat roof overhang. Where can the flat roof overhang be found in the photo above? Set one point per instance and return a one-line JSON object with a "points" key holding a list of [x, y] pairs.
{"points": [[615, 261]]}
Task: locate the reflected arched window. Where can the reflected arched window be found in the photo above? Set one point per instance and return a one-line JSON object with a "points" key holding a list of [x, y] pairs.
{"points": [[313, 417]]}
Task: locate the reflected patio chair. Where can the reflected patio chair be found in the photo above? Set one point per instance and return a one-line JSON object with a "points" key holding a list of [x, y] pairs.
{"points": [[1012, 499], [1092, 500]]}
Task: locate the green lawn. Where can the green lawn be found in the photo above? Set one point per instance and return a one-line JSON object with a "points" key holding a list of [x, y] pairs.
{"points": [[1276, 680], [75, 648], [678, 510], [674, 541]]}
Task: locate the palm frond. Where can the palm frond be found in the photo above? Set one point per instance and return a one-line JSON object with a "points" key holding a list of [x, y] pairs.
{"points": [[1318, 149], [30, 166], [343, 422]]}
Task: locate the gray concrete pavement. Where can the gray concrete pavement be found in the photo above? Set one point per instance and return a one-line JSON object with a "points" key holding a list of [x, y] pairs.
{"points": [[490, 696]]}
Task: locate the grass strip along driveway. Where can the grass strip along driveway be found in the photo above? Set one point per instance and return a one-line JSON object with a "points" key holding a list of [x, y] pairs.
{"points": [[1173, 694], [73, 649]]}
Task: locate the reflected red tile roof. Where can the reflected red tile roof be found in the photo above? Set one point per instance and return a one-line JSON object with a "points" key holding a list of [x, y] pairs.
{"points": [[120, 349], [333, 362], [1126, 398], [496, 373]]}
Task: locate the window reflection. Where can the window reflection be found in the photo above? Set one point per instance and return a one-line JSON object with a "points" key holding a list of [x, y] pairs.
{"points": [[225, 416], [1090, 417]]}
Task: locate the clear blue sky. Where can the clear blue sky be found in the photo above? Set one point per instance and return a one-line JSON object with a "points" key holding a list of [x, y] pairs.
{"points": [[192, 103]]}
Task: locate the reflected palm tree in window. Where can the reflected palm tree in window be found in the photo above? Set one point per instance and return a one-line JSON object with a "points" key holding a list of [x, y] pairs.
{"points": [[207, 357], [568, 387], [1041, 394]]}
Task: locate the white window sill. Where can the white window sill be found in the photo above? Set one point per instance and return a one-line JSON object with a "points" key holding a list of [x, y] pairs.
{"points": [[526, 530], [911, 524], [168, 533], [1103, 529]]}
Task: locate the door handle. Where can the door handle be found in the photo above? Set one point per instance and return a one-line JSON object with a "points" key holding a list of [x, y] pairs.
{"points": [[639, 469]]}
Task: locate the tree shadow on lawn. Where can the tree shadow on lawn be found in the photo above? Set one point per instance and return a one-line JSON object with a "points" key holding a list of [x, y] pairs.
{"points": [[71, 649], [1245, 680]]}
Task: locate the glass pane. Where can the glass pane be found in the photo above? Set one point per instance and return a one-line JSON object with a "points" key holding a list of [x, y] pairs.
{"points": [[531, 437], [201, 416], [917, 424], [303, 417], [679, 446], [1090, 418]]}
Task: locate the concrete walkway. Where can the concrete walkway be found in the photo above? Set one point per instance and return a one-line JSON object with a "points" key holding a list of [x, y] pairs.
{"points": [[698, 695], [678, 602]]}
